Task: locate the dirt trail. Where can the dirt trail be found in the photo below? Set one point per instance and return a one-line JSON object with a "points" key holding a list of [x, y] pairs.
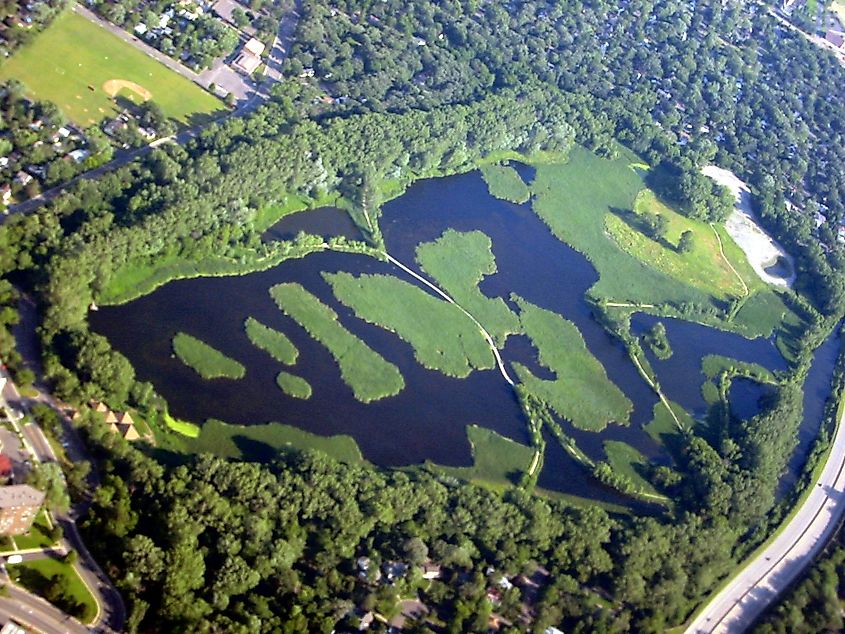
{"points": [[502, 369]]}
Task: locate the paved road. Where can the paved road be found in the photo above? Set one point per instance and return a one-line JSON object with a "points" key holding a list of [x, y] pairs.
{"points": [[771, 572], [37, 614], [38, 441], [282, 43]]}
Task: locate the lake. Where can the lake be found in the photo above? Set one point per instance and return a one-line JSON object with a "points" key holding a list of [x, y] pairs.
{"points": [[427, 420]]}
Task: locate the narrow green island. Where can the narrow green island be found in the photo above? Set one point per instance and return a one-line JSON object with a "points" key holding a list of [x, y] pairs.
{"points": [[294, 386], [581, 392], [459, 262], [363, 369], [505, 182], [206, 361], [442, 336], [273, 342]]}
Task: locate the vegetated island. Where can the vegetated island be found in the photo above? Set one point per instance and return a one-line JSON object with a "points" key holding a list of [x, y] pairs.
{"points": [[206, 361], [504, 182], [459, 261], [273, 342], [442, 336], [581, 392], [363, 369], [294, 386]]}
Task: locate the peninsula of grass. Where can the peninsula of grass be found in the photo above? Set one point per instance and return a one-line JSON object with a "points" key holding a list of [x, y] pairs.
{"points": [[364, 370], [629, 463], [442, 336], [585, 200], [206, 361], [263, 443], [504, 182], [581, 392], [273, 342], [72, 62], [663, 427], [459, 262], [294, 386], [42, 576], [712, 365], [498, 462]]}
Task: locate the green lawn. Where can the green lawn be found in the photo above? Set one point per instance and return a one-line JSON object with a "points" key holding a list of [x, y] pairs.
{"points": [[72, 59], [273, 342], [581, 392], [442, 336], [364, 370], [626, 460], [504, 182], [459, 262], [74, 598], [38, 536], [497, 461], [263, 442], [206, 361], [293, 385]]}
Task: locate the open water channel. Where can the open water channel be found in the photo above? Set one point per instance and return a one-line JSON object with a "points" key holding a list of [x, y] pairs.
{"points": [[427, 420]]}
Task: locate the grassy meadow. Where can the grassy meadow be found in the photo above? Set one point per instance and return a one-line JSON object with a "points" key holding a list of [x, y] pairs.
{"points": [[206, 361], [70, 62], [581, 392], [459, 262], [364, 370], [443, 337]]}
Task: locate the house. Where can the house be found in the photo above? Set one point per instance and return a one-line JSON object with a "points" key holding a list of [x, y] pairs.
{"points": [[430, 570], [23, 179], [254, 47], [394, 570], [248, 62], [140, 28], [19, 504], [4, 161], [114, 126], [128, 432], [79, 155], [6, 194], [836, 39]]}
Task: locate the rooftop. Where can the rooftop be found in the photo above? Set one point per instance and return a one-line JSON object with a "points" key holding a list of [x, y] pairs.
{"points": [[20, 495]]}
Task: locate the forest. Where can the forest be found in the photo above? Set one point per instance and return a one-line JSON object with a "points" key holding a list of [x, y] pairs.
{"points": [[418, 90]]}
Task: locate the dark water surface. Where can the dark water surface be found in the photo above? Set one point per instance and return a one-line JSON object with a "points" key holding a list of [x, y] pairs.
{"points": [[427, 420]]}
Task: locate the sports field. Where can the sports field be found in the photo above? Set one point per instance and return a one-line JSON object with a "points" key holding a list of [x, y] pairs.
{"points": [[80, 66]]}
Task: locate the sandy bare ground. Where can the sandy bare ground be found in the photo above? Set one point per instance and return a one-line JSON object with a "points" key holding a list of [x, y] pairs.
{"points": [[759, 247]]}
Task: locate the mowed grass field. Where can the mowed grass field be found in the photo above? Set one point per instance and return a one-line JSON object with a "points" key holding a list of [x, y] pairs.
{"points": [[70, 62]]}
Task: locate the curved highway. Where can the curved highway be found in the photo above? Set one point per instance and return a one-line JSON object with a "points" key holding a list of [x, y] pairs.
{"points": [[764, 578]]}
